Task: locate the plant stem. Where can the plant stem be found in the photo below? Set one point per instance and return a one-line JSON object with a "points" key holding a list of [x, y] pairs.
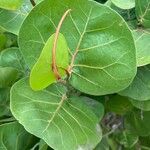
{"points": [[54, 66], [33, 2], [7, 120]]}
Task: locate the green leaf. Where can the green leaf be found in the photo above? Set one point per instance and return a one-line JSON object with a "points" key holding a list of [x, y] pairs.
{"points": [[11, 57], [143, 105], [139, 89], [105, 60], [143, 12], [138, 122], [10, 4], [42, 74], [4, 102], [63, 123], [124, 4], [142, 38], [127, 139], [103, 145], [95, 106], [3, 40], [11, 21], [14, 137], [118, 104], [8, 76], [43, 145]]}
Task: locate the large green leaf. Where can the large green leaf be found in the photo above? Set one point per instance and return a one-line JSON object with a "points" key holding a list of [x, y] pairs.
{"points": [[143, 12], [10, 4], [4, 102], [8, 76], [138, 122], [140, 87], [11, 21], [42, 73], [124, 4], [63, 123], [143, 105], [105, 53], [142, 38], [127, 139], [11, 57], [14, 137]]}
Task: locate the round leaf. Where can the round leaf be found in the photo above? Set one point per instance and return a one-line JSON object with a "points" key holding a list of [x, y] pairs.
{"points": [[98, 38], [63, 123]]}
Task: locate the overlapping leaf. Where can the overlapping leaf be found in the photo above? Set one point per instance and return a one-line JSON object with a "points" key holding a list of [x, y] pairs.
{"points": [[142, 38], [13, 137], [103, 48], [138, 122], [11, 57], [143, 105], [64, 123], [4, 101], [127, 139], [42, 73], [140, 87], [8, 76], [11, 21], [124, 4], [10, 4]]}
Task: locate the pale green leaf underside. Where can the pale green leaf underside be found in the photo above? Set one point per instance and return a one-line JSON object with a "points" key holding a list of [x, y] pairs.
{"points": [[14, 137], [42, 74], [142, 43], [143, 105], [124, 4], [143, 12], [105, 61], [63, 124], [10, 4], [140, 87]]}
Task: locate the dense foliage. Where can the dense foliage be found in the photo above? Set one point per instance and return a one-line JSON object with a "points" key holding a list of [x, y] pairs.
{"points": [[75, 75]]}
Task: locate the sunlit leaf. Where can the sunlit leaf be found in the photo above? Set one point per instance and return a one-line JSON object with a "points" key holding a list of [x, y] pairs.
{"points": [[42, 74]]}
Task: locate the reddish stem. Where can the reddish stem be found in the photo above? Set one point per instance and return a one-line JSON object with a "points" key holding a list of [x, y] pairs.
{"points": [[54, 65]]}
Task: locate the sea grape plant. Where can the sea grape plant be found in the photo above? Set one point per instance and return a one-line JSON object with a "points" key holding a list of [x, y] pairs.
{"points": [[74, 74]]}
